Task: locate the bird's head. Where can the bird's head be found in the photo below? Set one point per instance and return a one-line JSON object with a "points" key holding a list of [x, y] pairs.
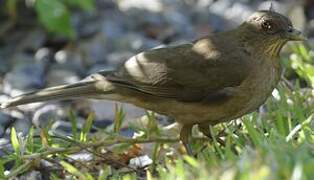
{"points": [[269, 30]]}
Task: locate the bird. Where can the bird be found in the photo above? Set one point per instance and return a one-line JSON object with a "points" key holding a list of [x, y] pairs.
{"points": [[217, 78]]}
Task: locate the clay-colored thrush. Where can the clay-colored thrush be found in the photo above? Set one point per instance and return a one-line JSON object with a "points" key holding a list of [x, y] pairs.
{"points": [[214, 79]]}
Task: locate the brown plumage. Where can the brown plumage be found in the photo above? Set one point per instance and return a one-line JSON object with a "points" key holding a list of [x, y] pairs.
{"points": [[217, 78]]}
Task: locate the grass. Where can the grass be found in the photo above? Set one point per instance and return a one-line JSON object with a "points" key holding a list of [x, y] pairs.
{"points": [[277, 142]]}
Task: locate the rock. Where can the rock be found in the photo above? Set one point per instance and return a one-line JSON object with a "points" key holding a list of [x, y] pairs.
{"points": [[4, 63], [127, 132], [105, 110], [233, 11], [134, 42], [48, 114], [93, 50], [26, 75], [180, 23], [57, 76], [44, 55], [116, 59], [71, 59], [65, 127], [5, 147], [5, 122], [152, 5], [140, 162], [86, 24], [32, 40], [21, 126], [62, 127], [32, 175], [101, 67], [113, 25], [83, 156]]}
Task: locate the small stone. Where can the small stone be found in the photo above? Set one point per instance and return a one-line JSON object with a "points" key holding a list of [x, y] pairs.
{"points": [[70, 59], [32, 40], [22, 126], [116, 59], [4, 63], [113, 25], [81, 156], [100, 67], [26, 75], [48, 114], [234, 12], [105, 110], [93, 49], [5, 122], [152, 5], [44, 55], [140, 162], [32, 175], [127, 132], [86, 24], [57, 76], [133, 41]]}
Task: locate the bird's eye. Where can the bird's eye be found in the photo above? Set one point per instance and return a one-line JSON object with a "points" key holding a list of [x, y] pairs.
{"points": [[267, 26]]}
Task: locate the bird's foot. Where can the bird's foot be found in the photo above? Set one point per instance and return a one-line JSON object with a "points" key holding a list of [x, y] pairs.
{"points": [[185, 136], [206, 130]]}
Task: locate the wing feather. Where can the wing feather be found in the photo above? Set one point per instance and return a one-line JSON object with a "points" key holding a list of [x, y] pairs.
{"points": [[186, 72]]}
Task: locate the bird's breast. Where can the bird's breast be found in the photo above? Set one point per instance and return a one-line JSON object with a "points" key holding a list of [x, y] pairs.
{"points": [[259, 85]]}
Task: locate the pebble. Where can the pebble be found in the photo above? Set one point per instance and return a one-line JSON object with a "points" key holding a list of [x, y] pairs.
{"points": [[5, 122], [27, 74], [93, 50], [48, 114], [152, 5], [140, 162], [70, 58], [105, 110], [57, 76]]}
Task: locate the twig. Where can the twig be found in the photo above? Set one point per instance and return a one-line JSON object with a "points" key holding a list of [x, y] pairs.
{"points": [[106, 143]]}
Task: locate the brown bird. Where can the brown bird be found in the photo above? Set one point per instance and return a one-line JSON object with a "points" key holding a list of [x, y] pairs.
{"points": [[214, 79]]}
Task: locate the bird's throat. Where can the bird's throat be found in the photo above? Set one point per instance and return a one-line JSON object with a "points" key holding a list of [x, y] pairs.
{"points": [[273, 50]]}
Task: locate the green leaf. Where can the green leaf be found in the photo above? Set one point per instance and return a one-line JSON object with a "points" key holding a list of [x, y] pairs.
{"points": [[54, 15], [30, 141], [53, 176], [104, 173], [11, 6], [15, 142], [87, 5], [2, 176], [192, 161], [71, 169], [87, 126], [152, 125], [254, 134]]}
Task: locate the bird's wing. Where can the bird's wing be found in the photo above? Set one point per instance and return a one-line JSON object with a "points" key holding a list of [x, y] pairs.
{"points": [[186, 72]]}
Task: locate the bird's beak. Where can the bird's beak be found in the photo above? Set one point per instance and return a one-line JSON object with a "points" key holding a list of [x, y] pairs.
{"points": [[295, 35]]}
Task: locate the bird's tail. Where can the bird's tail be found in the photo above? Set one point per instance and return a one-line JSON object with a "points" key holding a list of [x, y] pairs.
{"points": [[76, 90]]}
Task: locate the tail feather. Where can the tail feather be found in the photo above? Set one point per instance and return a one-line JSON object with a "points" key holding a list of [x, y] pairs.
{"points": [[83, 88]]}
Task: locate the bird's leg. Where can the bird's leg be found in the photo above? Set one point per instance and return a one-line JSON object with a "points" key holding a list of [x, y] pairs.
{"points": [[185, 135], [205, 129]]}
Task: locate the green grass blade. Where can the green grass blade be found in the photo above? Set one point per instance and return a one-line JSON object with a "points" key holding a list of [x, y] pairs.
{"points": [[73, 124], [15, 142], [87, 126]]}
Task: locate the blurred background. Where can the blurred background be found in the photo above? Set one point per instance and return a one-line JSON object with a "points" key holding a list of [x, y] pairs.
{"points": [[45, 43]]}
